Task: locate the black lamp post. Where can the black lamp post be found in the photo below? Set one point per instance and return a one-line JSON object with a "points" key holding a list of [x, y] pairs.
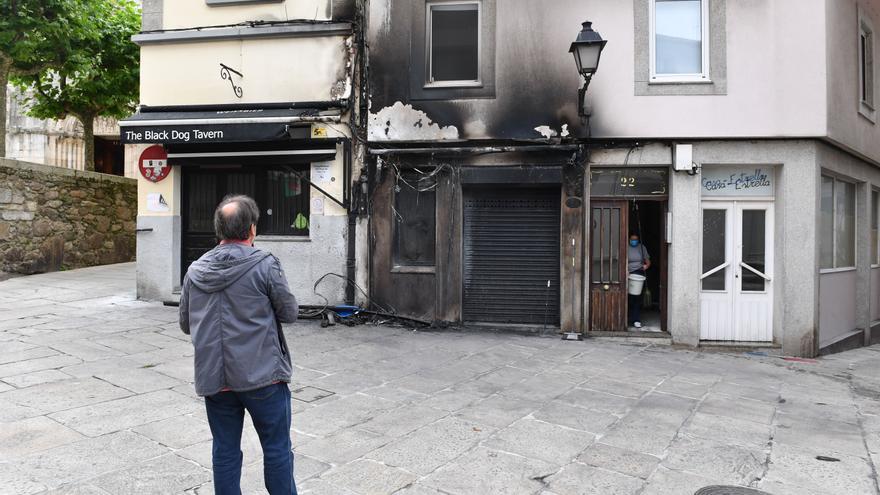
{"points": [[587, 49]]}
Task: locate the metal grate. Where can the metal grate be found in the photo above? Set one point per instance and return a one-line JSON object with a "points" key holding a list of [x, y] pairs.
{"points": [[729, 490], [310, 394], [511, 251]]}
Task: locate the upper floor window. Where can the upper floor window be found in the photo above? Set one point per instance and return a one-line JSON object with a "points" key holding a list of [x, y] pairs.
{"points": [[239, 2], [679, 41], [866, 67], [453, 44]]}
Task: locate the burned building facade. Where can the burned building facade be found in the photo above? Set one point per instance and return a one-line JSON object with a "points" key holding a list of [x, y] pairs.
{"points": [[478, 210], [743, 161]]}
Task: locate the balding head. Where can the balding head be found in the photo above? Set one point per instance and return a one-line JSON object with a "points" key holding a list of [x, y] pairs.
{"points": [[234, 217]]}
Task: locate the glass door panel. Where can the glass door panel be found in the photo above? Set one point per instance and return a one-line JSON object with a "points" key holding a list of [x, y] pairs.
{"points": [[715, 262], [754, 243]]}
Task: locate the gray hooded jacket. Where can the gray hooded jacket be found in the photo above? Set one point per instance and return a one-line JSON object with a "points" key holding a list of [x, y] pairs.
{"points": [[232, 303]]}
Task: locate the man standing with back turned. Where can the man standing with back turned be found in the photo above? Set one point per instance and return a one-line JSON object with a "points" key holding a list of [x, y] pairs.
{"points": [[233, 301]]}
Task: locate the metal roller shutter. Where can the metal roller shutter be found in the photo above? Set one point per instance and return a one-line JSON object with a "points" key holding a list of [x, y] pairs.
{"points": [[511, 251]]}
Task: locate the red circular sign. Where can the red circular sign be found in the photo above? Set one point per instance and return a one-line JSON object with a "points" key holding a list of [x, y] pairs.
{"points": [[153, 163]]}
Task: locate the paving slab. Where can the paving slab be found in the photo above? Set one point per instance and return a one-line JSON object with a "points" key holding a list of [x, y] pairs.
{"points": [[540, 440], [623, 461], [581, 479], [490, 471], [419, 413], [120, 414], [366, 476], [800, 467], [176, 432], [437, 444], [160, 476], [27, 436], [726, 463], [575, 417], [88, 458], [36, 378], [344, 446]]}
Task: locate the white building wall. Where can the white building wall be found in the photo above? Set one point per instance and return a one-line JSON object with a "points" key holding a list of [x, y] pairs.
{"points": [[846, 125], [775, 71]]}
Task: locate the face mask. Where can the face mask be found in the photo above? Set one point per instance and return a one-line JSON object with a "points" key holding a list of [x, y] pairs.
{"points": [[633, 242]]}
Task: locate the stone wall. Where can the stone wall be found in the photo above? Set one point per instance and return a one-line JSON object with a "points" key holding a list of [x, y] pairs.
{"points": [[56, 219]]}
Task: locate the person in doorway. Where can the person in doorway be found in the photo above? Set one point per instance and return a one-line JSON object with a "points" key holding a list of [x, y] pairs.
{"points": [[233, 301], [638, 263]]}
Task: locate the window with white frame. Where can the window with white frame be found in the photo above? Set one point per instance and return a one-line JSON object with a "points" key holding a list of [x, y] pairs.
{"points": [[866, 66], [837, 224], [679, 40], [453, 44]]}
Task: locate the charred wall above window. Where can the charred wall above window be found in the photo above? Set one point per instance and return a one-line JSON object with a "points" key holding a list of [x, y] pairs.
{"points": [[535, 82]]}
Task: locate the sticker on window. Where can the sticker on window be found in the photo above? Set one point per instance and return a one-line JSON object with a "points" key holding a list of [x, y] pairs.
{"points": [[292, 187], [300, 222]]}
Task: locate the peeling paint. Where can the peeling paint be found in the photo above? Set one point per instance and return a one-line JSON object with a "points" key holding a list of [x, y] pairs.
{"points": [[549, 132], [342, 88], [401, 122], [546, 131]]}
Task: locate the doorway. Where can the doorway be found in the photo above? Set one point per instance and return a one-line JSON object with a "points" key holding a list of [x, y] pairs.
{"points": [[736, 294], [612, 222]]}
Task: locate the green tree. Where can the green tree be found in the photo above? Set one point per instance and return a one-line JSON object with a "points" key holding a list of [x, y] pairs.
{"points": [[96, 74], [32, 34]]}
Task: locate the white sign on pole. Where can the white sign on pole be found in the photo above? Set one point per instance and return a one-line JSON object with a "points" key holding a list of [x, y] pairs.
{"points": [[738, 181]]}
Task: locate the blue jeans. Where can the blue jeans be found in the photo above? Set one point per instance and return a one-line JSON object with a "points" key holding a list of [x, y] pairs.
{"points": [[635, 303], [269, 408]]}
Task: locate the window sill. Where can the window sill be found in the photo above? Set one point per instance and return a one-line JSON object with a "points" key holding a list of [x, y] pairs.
{"points": [[664, 81], [282, 238], [414, 269], [823, 271], [223, 3], [868, 112], [454, 85]]}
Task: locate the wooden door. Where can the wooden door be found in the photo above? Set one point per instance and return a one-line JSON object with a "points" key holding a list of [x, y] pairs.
{"points": [[608, 265]]}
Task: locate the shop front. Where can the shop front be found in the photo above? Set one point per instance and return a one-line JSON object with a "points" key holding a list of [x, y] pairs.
{"points": [[737, 283], [294, 168]]}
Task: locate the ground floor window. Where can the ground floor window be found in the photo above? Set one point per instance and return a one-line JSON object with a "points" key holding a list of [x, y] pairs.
{"points": [[414, 220], [837, 224], [875, 222], [281, 193]]}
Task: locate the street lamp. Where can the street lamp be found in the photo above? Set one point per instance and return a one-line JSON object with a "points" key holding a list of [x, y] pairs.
{"points": [[587, 49]]}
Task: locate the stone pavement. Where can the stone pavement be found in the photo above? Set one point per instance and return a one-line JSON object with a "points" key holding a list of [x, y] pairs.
{"points": [[96, 398]]}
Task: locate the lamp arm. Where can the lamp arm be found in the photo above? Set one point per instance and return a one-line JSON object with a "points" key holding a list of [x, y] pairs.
{"points": [[582, 94]]}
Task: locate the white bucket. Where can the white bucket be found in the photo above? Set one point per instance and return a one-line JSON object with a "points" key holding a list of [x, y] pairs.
{"points": [[636, 283]]}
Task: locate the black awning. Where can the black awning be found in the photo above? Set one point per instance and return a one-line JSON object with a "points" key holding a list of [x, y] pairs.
{"points": [[287, 152], [221, 126]]}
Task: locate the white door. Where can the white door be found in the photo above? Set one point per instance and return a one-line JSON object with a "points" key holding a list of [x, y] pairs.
{"points": [[736, 296]]}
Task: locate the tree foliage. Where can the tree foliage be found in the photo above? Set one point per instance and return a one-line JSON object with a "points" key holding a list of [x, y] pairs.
{"points": [[32, 34], [95, 72]]}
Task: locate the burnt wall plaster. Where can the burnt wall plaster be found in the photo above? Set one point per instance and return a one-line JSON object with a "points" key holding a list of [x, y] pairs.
{"points": [[535, 79]]}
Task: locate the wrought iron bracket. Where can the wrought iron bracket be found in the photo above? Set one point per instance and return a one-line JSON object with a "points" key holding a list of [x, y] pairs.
{"points": [[226, 73]]}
